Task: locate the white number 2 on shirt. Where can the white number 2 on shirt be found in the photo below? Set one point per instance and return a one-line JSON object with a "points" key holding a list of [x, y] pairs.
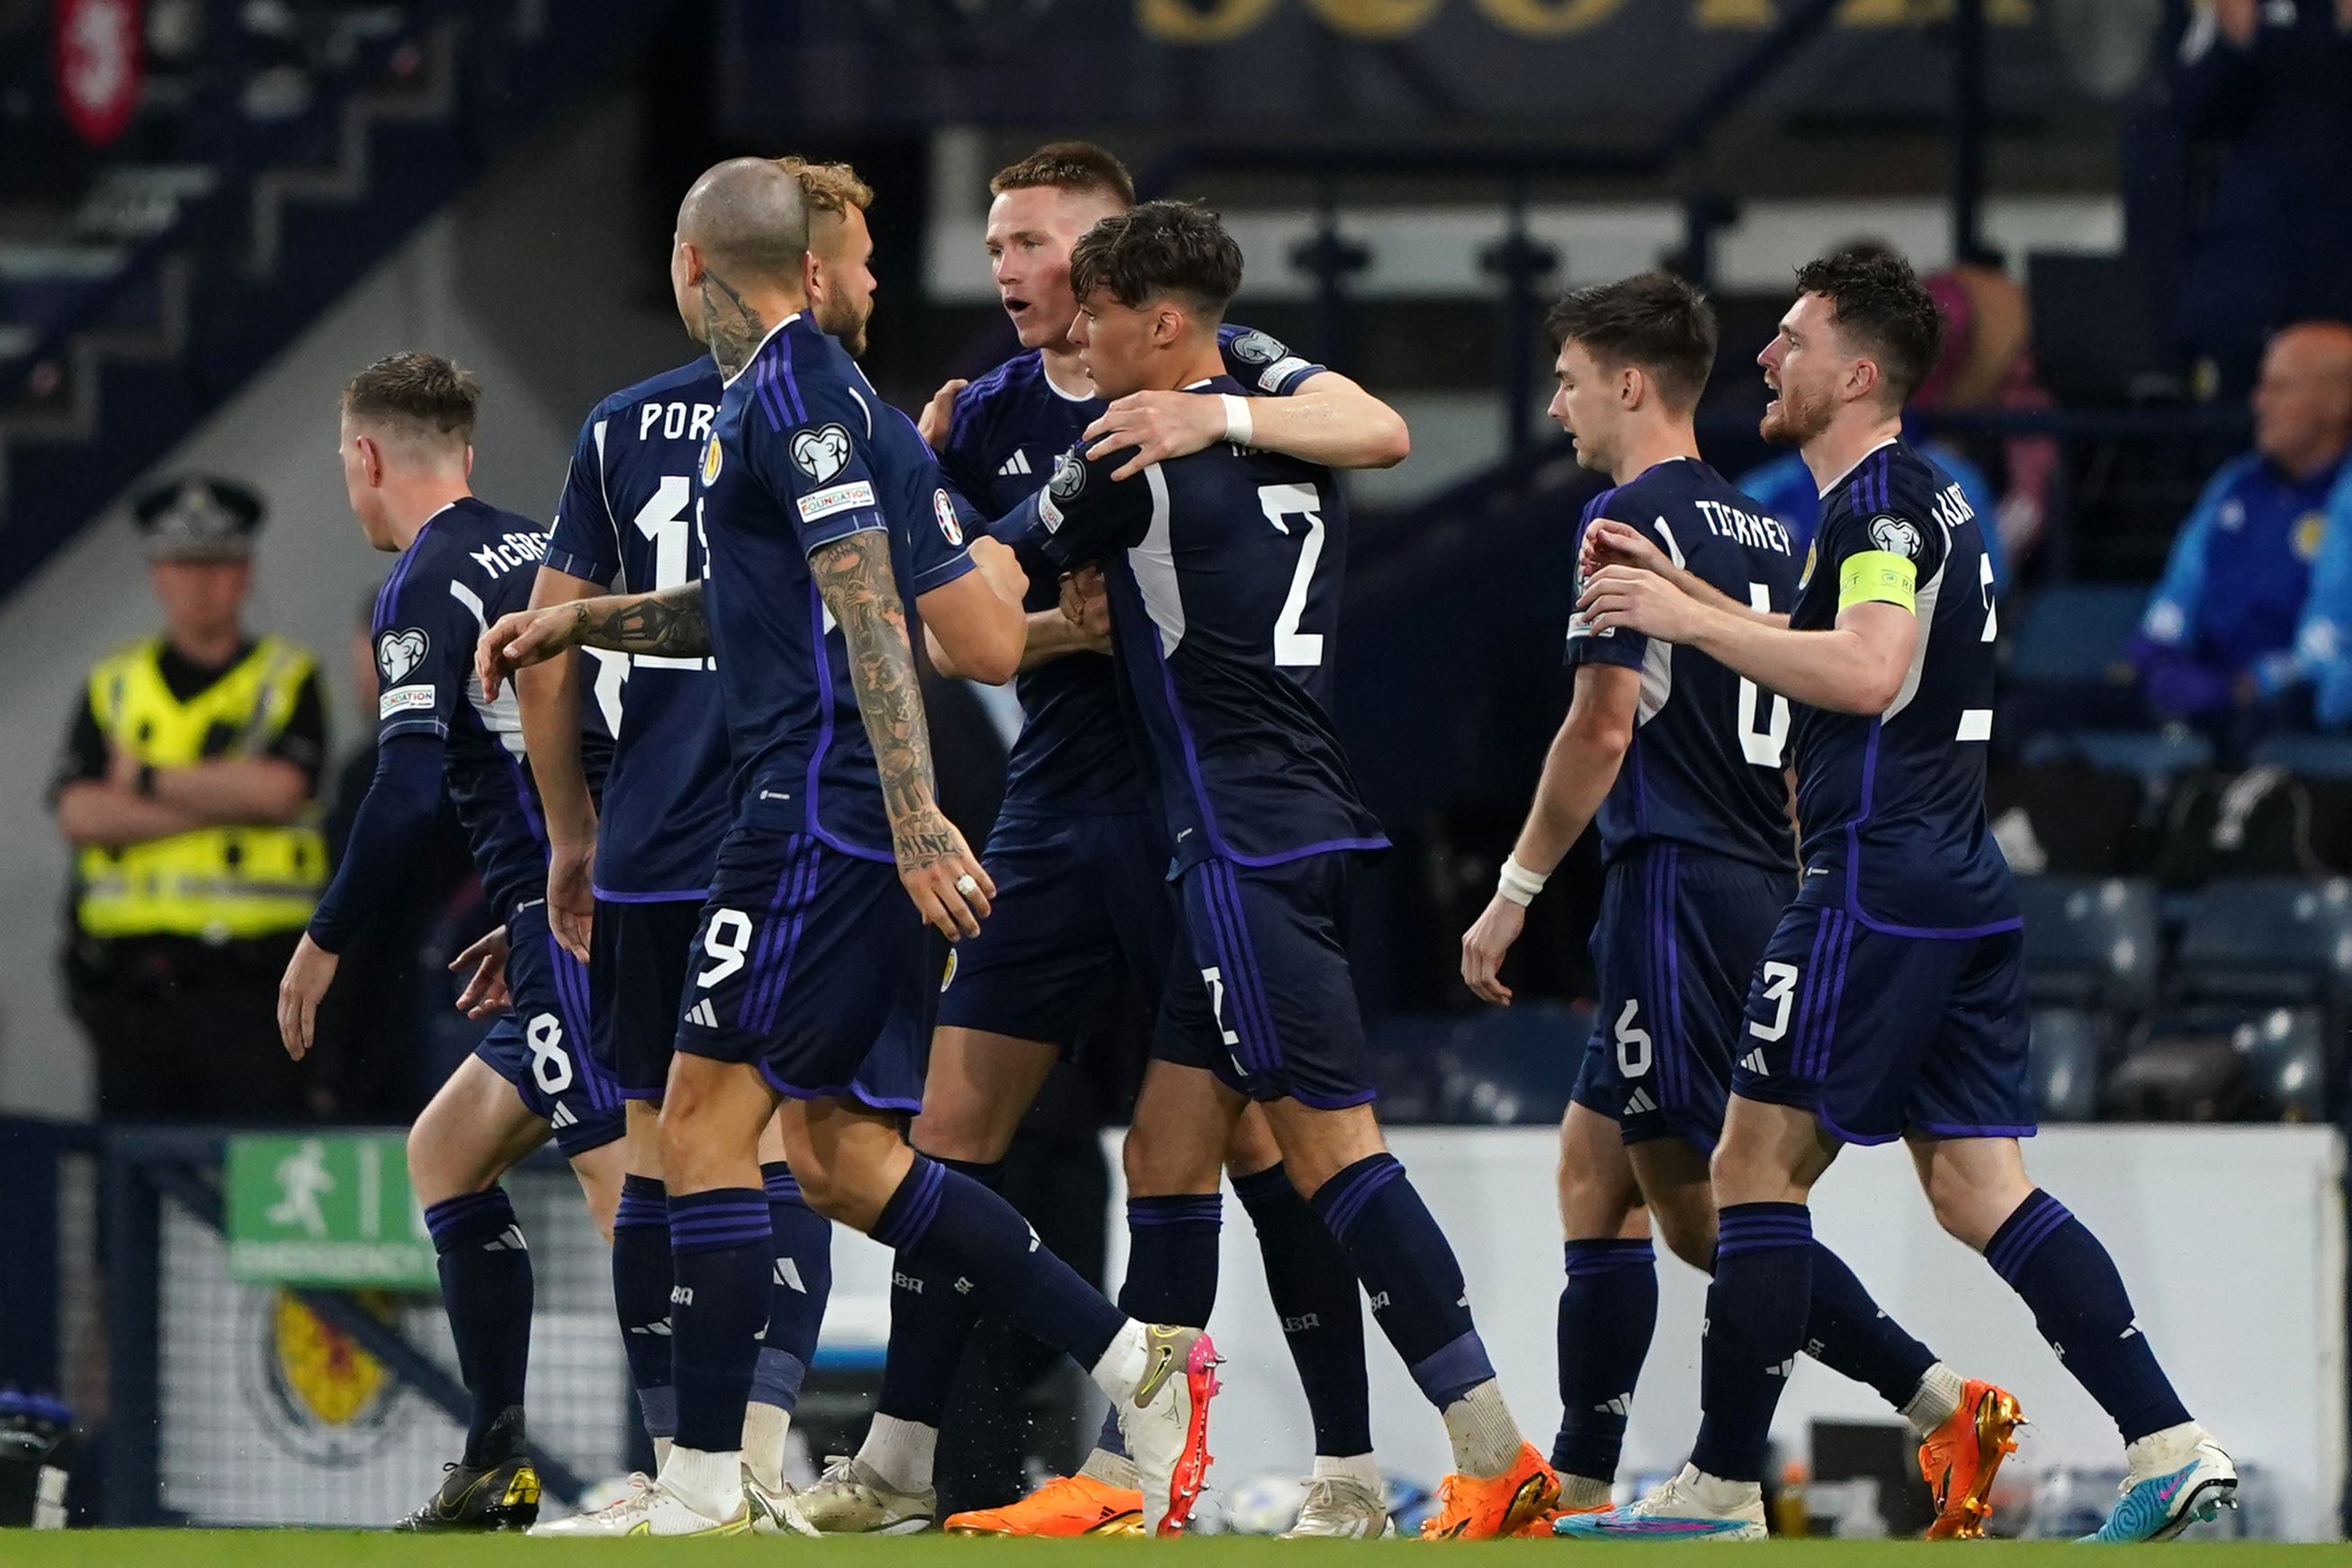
{"points": [[1293, 647]]}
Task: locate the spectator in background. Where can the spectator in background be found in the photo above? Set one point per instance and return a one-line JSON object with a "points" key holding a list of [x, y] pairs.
{"points": [[187, 789], [2217, 645], [2272, 81], [2323, 644]]}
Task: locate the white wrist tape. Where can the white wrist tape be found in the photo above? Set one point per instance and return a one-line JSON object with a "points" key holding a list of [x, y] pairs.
{"points": [[1519, 884], [1239, 427]]}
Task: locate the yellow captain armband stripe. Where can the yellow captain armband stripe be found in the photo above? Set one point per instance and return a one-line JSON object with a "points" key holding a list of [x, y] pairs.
{"points": [[1878, 577]]}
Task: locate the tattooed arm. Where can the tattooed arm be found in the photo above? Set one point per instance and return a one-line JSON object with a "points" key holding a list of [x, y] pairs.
{"points": [[853, 577], [668, 622]]}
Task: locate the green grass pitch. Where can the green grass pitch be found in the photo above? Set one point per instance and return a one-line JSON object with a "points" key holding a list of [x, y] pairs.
{"points": [[343, 1549]]}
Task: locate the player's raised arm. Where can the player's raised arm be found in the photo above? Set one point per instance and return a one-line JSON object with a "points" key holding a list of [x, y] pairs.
{"points": [[546, 696], [1329, 420], [941, 875], [1577, 774]]}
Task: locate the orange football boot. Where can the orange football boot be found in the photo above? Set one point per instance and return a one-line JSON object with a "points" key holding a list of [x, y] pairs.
{"points": [[1478, 1508], [1067, 1505], [1960, 1458]]}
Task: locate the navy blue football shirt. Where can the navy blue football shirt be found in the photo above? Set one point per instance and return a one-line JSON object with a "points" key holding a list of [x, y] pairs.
{"points": [[470, 564], [1225, 571], [1009, 429], [1891, 805], [626, 520], [805, 453], [1704, 767]]}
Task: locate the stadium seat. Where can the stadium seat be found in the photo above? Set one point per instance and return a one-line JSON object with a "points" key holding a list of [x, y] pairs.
{"points": [[2075, 634], [2275, 940], [1502, 1067], [2226, 1064], [2089, 942], [2068, 1061], [2156, 757]]}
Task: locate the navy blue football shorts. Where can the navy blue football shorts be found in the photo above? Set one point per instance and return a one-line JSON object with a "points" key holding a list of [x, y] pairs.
{"points": [[811, 965], [1259, 992], [637, 955], [1081, 902], [541, 1045], [1877, 1035], [1676, 944]]}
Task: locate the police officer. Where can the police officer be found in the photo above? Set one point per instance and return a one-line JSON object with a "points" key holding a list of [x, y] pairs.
{"points": [[188, 789]]}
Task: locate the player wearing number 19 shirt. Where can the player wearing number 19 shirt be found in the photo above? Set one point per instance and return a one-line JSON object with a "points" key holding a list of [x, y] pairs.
{"points": [[1224, 571], [407, 431], [1890, 1001]]}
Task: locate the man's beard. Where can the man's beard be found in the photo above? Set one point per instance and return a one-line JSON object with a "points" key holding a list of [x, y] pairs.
{"points": [[847, 324], [1796, 422]]}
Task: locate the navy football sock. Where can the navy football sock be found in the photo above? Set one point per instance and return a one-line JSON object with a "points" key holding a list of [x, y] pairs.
{"points": [[1171, 1271], [797, 1289], [1848, 1333], [956, 1230], [930, 1323], [641, 1281], [1314, 1294], [721, 1248], [486, 1289], [1756, 1311], [1608, 1310], [1409, 1270], [2050, 1259]]}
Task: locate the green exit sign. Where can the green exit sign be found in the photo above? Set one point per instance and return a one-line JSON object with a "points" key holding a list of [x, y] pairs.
{"points": [[327, 1208]]}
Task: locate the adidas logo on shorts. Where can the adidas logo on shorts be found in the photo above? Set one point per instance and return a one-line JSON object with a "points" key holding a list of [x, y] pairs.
{"points": [[1639, 1104], [703, 1015]]}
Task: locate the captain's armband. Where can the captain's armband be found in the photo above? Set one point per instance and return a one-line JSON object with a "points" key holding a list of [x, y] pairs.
{"points": [[1878, 577]]}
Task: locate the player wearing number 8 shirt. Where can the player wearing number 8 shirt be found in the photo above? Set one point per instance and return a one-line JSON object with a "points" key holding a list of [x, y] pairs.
{"points": [[1223, 572], [1890, 1001], [408, 428], [1679, 760]]}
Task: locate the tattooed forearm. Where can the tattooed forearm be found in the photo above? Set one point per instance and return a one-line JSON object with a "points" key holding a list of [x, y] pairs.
{"points": [[731, 327], [669, 622], [855, 578]]}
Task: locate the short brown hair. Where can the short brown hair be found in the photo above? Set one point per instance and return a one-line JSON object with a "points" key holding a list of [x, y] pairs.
{"points": [[431, 394], [1068, 166], [829, 187], [1156, 249], [1882, 308], [1657, 323]]}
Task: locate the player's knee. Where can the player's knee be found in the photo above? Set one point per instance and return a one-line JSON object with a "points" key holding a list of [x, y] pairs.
{"points": [[951, 1130], [1160, 1162], [1593, 1204], [1688, 1231]]}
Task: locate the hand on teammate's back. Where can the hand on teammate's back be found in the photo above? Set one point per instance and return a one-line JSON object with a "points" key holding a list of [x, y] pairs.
{"points": [[939, 415], [519, 639], [1160, 425]]}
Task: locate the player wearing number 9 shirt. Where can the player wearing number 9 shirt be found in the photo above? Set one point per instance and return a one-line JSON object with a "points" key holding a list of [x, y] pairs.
{"points": [[407, 429]]}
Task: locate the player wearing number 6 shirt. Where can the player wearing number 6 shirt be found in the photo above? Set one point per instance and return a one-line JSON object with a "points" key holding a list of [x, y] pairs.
{"points": [[407, 433], [1890, 1002], [1679, 761], [831, 538], [1223, 572]]}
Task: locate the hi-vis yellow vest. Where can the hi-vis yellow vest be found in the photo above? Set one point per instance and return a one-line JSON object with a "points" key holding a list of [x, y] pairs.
{"points": [[216, 883]]}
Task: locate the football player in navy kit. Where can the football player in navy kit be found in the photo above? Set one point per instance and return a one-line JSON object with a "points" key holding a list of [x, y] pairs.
{"points": [[1080, 863], [408, 448], [1680, 762], [831, 536], [1890, 1001], [1224, 571], [626, 521]]}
